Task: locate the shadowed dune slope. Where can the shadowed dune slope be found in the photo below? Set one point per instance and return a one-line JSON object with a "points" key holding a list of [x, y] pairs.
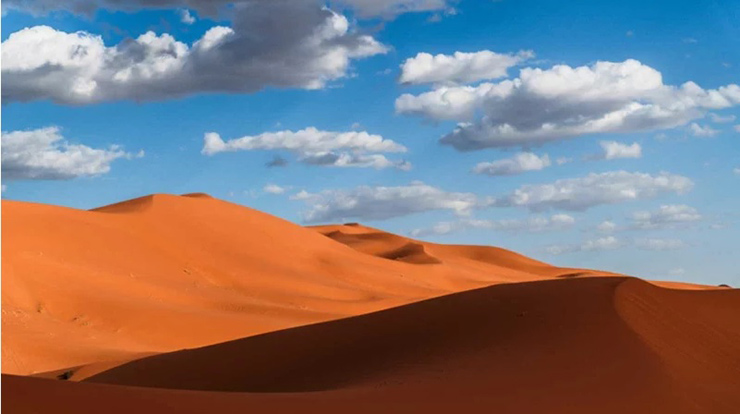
{"points": [[391, 246], [581, 345], [162, 272]]}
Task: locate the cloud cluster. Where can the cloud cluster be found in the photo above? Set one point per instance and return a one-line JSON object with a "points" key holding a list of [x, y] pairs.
{"points": [[519, 163], [316, 147], [574, 194], [44, 154], [531, 225], [459, 67], [543, 105], [600, 244], [613, 243], [666, 216], [577, 194], [380, 203], [277, 43]]}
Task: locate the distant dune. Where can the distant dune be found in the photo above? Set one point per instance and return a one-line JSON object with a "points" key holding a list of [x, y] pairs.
{"points": [[192, 304]]}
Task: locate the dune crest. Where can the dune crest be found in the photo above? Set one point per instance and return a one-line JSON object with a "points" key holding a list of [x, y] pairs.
{"points": [[573, 342], [163, 272]]}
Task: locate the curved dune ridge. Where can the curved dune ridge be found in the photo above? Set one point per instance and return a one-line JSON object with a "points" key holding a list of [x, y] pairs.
{"points": [[585, 345], [192, 304], [163, 272]]}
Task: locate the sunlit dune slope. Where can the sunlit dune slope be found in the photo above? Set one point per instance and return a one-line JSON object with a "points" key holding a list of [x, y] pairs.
{"points": [[578, 345], [163, 272]]}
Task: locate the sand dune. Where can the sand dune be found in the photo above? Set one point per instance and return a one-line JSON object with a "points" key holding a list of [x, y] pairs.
{"points": [[607, 345], [192, 304], [162, 272]]}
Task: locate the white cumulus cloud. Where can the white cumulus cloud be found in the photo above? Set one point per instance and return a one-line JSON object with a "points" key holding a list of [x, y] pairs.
{"points": [[274, 189], [702, 131], [519, 163], [606, 226], [459, 67], [581, 193], [44, 154], [666, 216], [316, 147], [615, 150], [543, 105], [280, 44], [186, 16], [379, 203]]}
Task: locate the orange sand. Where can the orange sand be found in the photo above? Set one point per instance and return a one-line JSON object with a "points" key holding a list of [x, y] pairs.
{"points": [[106, 296], [161, 273]]}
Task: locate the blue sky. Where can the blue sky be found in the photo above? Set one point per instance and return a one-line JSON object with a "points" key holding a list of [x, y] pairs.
{"points": [[91, 120]]}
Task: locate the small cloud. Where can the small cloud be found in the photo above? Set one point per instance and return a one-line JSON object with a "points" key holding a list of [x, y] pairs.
{"points": [[518, 164], [704, 131], [606, 226], [629, 33], [690, 40], [660, 244], [600, 244], [678, 271], [302, 195], [726, 64], [736, 128], [721, 119], [563, 160], [736, 171], [186, 17], [435, 18], [277, 161], [274, 189], [613, 150], [356, 125]]}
